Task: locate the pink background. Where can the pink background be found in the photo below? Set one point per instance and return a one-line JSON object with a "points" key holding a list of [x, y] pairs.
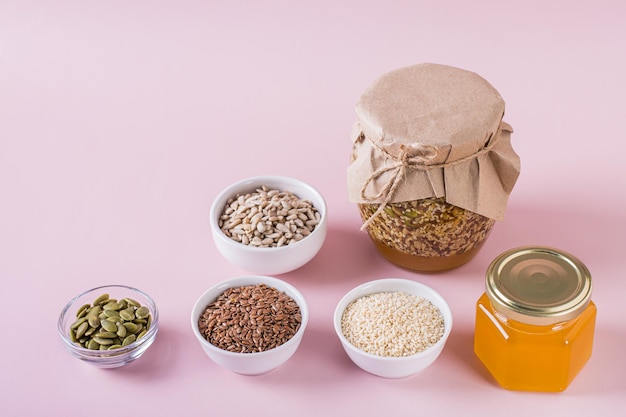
{"points": [[120, 121]]}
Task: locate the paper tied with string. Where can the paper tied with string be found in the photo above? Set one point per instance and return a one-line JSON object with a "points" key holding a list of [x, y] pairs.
{"points": [[432, 130]]}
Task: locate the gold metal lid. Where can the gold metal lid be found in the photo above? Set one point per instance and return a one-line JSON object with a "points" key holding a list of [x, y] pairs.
{"points": [[538, 285]]}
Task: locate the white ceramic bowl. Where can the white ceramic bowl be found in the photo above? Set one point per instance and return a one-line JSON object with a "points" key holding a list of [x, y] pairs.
{"points": [[108, 358], [393, 367], [250, 363], [269, 261]]}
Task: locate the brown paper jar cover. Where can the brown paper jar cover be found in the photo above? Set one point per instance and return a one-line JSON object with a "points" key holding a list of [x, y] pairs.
{"points": [[430, 140]]}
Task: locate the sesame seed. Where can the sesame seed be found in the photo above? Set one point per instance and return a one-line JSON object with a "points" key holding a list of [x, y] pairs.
{"points": [[394, 324]]}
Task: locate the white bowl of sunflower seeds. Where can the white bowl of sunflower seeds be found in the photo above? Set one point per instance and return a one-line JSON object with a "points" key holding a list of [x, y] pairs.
{"points": [[393, 327], [250, 325], [269, 225]]}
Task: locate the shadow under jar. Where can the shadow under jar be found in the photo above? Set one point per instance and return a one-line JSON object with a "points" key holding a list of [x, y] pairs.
{"points": [[432, 165]]}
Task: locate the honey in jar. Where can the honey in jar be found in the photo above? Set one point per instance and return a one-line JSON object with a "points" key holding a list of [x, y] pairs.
{"points": [[427, 235], [535, 322], [432, 165]]}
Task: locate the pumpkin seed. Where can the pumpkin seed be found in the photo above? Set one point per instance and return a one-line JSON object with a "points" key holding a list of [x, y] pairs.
{"points": [[111, 305], [109, 324], [142, 312], [94, 320], [78, 322], [132, 302], [131, 327], [410, 214], [111, 313], [127, 315], [100, 299], [102, 340], [83, 310], [129, 339], [121, 330], [139, 328], [389, 211], [80, 331]]}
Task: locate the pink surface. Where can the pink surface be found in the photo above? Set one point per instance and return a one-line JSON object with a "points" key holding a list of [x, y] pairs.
{"points": [[120, 121]]}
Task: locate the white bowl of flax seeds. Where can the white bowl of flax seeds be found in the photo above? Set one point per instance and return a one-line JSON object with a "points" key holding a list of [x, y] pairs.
{"points": [[250, 324]]}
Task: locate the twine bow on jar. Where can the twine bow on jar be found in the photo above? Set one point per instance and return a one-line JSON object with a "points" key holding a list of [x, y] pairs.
{"points": [[412, 157]]}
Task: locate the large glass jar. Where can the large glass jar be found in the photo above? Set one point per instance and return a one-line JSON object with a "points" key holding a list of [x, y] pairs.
{"points": [[432, 165], [535, 322]]}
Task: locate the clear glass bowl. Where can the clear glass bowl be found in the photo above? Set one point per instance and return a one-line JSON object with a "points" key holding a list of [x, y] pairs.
{"points": [[108, 358]]}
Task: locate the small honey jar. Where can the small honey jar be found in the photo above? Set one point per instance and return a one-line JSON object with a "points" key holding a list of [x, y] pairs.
{"points": [[535, 322]]}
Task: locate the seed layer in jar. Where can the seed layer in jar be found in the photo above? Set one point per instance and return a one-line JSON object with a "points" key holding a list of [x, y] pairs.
{"points": [[430, 227], [393, 324], [251, 318], [268, 218]]}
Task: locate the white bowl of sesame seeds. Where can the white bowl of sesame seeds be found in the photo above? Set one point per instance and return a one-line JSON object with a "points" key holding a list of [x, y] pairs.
{"points": [[269, 225], [393, 327]]}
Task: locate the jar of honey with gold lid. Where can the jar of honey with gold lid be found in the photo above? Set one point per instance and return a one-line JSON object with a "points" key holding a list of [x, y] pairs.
{"points": [[432, 165], [535, 322]]}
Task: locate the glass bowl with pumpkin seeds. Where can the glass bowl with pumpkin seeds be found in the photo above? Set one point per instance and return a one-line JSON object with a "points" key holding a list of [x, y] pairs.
{"points": [[109, 326]]}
